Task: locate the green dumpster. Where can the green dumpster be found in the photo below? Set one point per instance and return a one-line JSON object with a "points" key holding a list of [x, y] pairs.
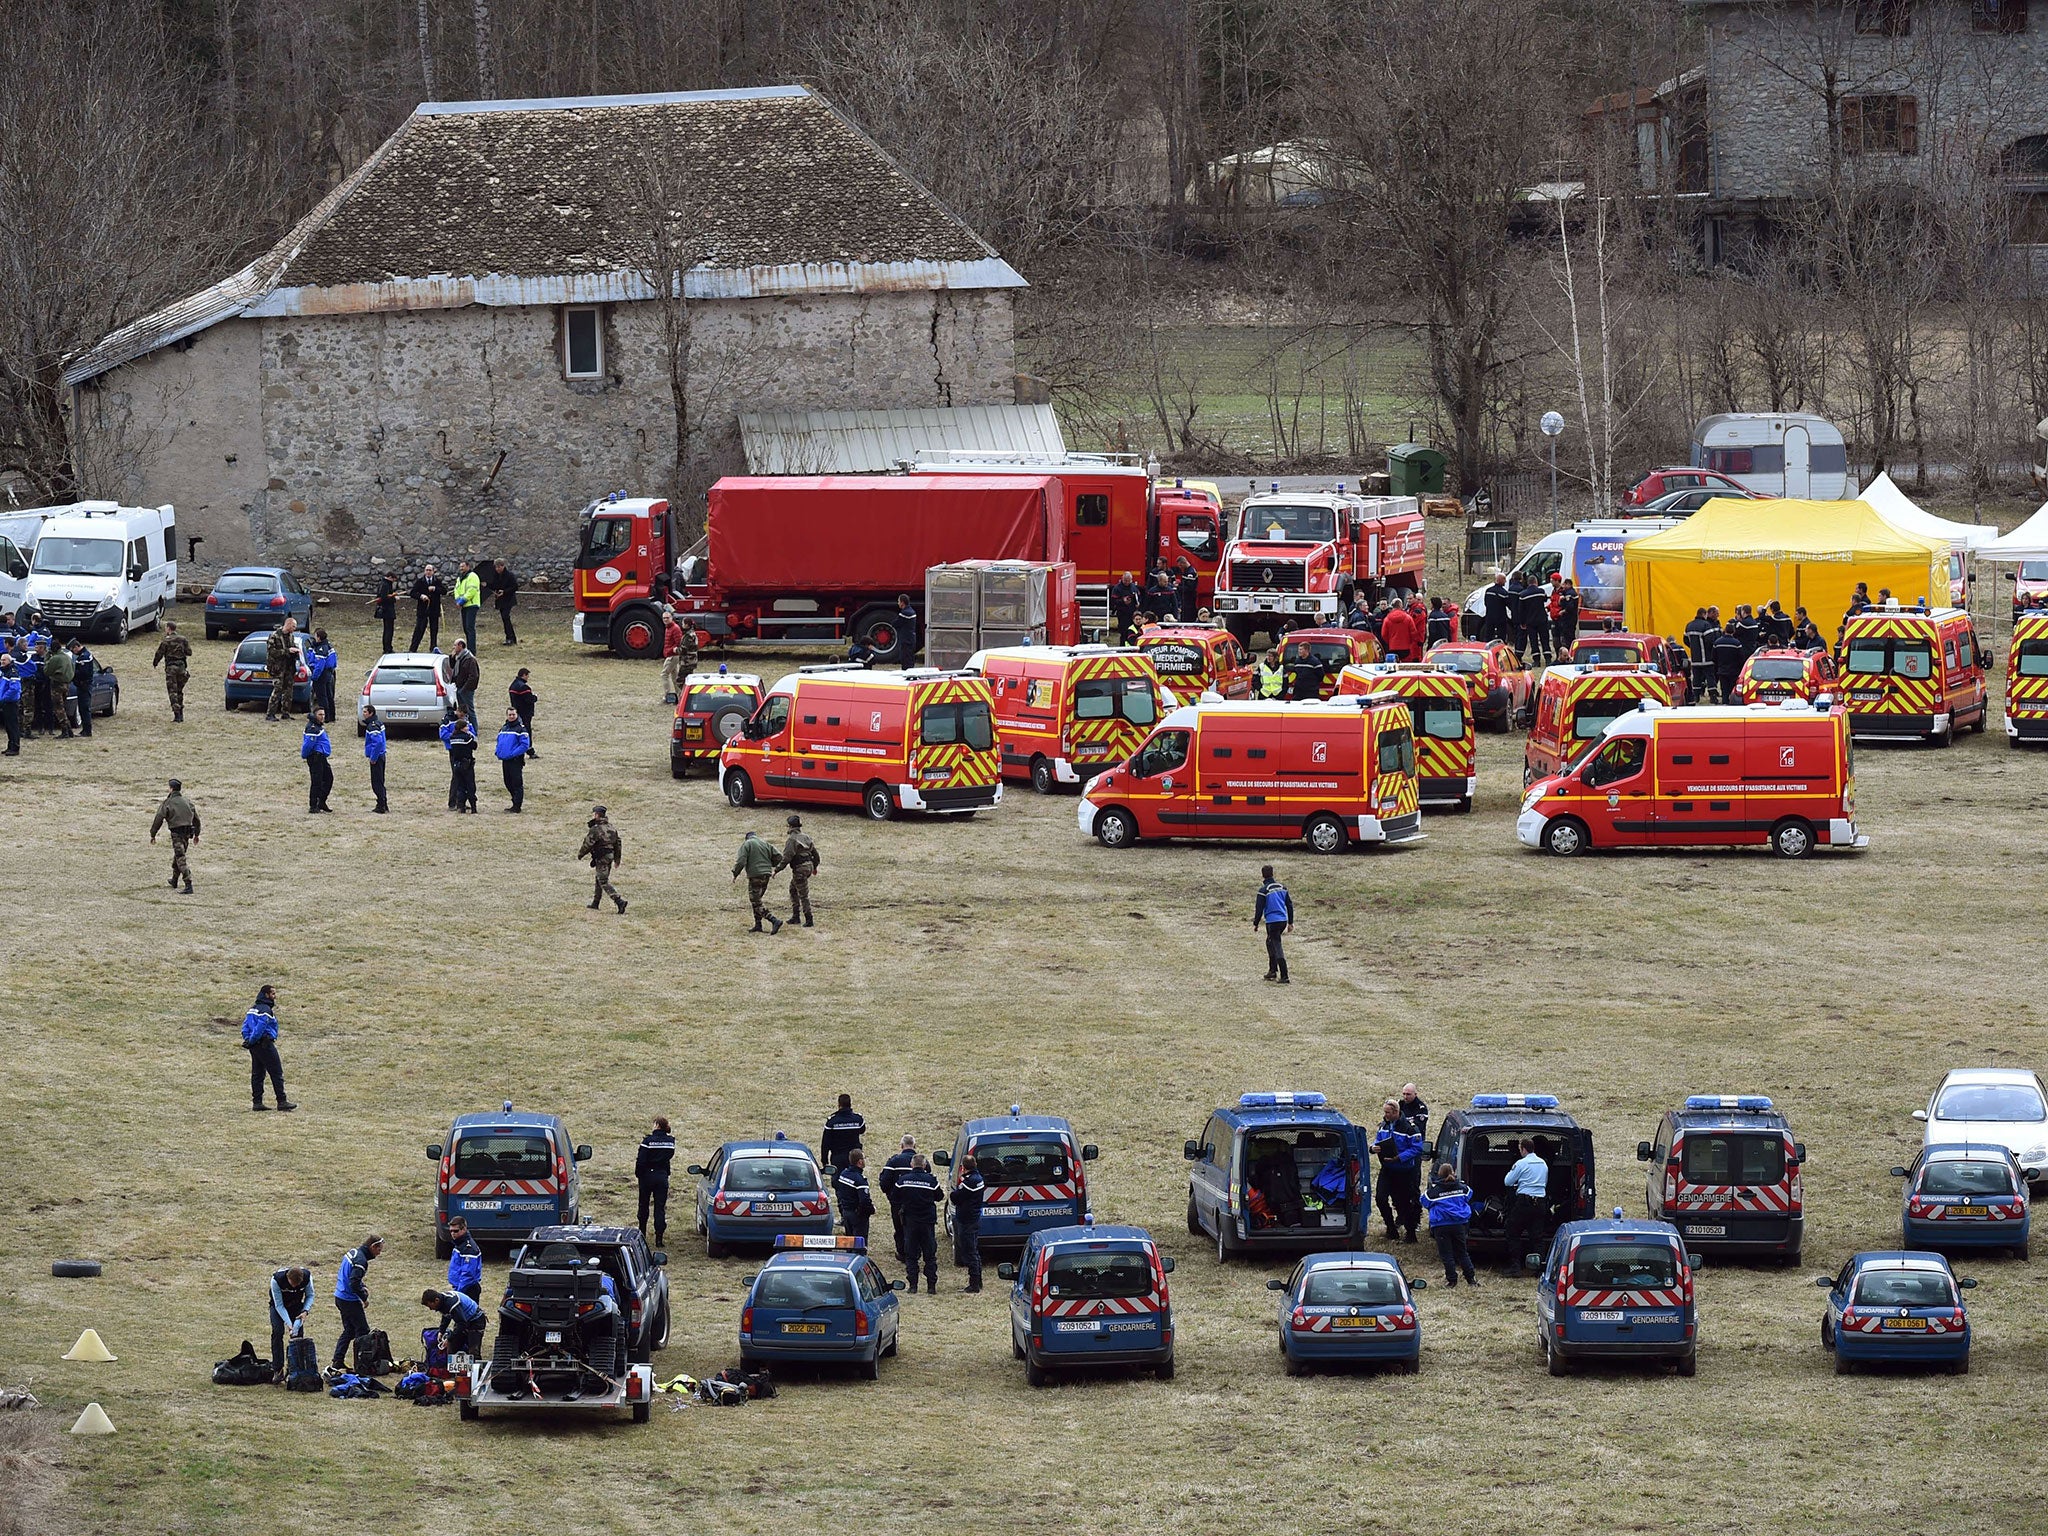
{"points": [[1414, 469]]}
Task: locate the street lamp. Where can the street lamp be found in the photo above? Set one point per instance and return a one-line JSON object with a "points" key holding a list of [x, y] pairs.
{"points": [[1553, 427]]}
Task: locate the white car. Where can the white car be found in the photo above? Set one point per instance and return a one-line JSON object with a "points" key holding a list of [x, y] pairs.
{"points": [[1999, 1106], [410, 688]]}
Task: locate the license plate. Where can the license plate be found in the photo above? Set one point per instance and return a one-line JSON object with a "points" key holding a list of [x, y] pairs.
{"points": [[241, 605], [1969, 1210], [1867, 695], [1333, 1218], [775, 1208], [803, 1327], [401, 714], [1603, 1317], [1906, 1324], [483, 1205], [1091, 1325], [1002, 1210], [1692, 1231], [1350, 1322]]}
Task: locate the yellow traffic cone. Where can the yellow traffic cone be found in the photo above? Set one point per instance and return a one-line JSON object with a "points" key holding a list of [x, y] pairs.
{"points": [[90, 1346], [93, 1421]]}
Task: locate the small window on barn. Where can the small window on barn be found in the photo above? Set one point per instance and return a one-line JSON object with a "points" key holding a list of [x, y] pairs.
{"points": [[1880, 125], [582, 343], [2007, 17]]}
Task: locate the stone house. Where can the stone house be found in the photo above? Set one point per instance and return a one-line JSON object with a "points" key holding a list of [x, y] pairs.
{"points": [[464, 343]]}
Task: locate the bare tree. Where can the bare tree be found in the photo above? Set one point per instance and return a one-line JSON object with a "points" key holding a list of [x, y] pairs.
{"points": [[424, 32], [486, 73], [662, 208]]}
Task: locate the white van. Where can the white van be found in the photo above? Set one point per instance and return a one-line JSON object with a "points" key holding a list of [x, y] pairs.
{"points": [[103, 570], [1789, 453], [1588, 555], [13, 578]]}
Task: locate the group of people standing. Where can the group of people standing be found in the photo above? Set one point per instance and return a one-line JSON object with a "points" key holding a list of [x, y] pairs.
{"points": [[42, 681], [1717, 652], [1539, 619], [430, 592], [915, 1196]]}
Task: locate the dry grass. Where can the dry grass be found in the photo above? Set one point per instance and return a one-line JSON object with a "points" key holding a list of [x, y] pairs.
{"points": [[430, 965]]}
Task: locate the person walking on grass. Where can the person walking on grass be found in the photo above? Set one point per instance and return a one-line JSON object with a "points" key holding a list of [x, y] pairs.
{"points": [[601, 845], [512, 747], [259, 1039], [1273, 907], [182, 817], [800, 854], [316, 748], [759, 861], [174, 655], [651, 1167]]}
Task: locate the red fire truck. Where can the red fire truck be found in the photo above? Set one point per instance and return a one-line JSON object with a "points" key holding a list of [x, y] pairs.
{"points": [[1299, 557], [803, 557]]}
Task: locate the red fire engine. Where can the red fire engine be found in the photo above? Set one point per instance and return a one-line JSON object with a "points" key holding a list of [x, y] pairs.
{"points": [[1299, 557]]}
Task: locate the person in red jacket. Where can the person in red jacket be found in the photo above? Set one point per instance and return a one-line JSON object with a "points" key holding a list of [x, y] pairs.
{"points": [[1398, 633], [673, 663]]}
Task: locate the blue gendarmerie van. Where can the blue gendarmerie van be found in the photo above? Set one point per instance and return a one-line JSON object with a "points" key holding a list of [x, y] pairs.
{"points": [[506, 1174], [1085, 1297], [1033, 1168], [1615, 1289], [1278, 1171]]}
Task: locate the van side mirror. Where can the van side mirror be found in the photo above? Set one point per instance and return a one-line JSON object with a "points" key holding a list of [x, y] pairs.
{"points": [[1692, 1261], [1642, 1151], [658, 1258], [748, 1280], [1090, 1152], [1799, 1152], [1919, 1114], [1166, 1265], [1824, 1282], [135, 573], [1533, 1260], [943, 1159], [434, 1150], [1191, 1150], [697, 1169], [1276, 1285], [583, 1153], [1006, 1271]]}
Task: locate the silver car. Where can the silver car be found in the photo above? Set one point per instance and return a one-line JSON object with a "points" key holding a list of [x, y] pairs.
{"points": [[409, 688], [1995, 1106]]}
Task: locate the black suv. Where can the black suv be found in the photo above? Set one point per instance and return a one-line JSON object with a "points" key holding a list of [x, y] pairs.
{"points": [[637, 1272]]}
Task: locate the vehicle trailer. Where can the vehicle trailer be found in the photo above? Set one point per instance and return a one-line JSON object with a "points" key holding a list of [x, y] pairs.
{"points": [[803, 557], [563, 1342]]}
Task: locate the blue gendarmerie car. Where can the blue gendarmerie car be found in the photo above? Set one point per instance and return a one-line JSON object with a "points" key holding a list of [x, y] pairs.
{"points": [[820, 1300], [1898, 1308], [1616, 1289], [1349, 1309], [754, 1191], [248, 679], [252, 597], [1088, 1296], [1965, 1194]]}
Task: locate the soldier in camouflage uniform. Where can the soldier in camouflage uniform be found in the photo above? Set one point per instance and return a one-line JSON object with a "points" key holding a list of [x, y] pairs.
{"points": [[801, 855], [759, 861], [602, 847], [174, 655], [182, 817], [281, 661]]}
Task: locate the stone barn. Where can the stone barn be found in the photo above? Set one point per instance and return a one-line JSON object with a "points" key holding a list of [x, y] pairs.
{"points": [[467, 340]]}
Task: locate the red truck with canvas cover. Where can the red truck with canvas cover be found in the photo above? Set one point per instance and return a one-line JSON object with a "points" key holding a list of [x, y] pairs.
{"points": [[1300, 557], [802, 557]]}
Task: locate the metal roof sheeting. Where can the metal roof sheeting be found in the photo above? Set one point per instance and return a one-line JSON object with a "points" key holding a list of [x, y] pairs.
{"points": [[872, 442]]}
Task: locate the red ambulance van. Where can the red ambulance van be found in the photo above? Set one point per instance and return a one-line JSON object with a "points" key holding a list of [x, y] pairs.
{"points": [[1066, 712], [1325, 770], [1782, 775], [1440, 708]]}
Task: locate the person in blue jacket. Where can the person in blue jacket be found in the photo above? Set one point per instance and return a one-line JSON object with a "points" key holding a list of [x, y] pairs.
{"points": [[259, 1039], [1397, 1142], [459, 737], [1275, 908], [512, 749], [316, 749], [466, 1261], [462, 1321], [10, 705], [373, 750], [1450, 1217], [352, 1294], [322, 661]]}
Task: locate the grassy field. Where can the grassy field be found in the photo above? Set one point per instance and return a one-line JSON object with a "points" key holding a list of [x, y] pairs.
{"points": [[430, 965]]}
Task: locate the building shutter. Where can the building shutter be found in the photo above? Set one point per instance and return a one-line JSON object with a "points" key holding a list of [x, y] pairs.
{"points": [[1909, 125], [1851, 110]]}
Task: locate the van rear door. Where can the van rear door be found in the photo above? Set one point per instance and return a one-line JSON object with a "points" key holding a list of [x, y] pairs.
{"points": [[1624, 1288], [1100, 1298]]}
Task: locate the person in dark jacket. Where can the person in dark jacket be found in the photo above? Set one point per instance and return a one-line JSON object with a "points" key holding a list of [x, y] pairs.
{"points": [[462, 1321], [384, 607], [1564, 625], [523, 700], [1123, 608], [511, 749], [1495, 605], [317, 749], [916, 1199], [465, 1260], [968, 1191], [1450, 1218], [1532, 622], [1398, 1144], [1805, 633], [460, 740], [1412, 1108], [427, 593], [259, 1039], [1442, 624], [375, 744], [844, 1128], [1776, 624], [352, 1294], [893, 1170], [1728, 658], [651, 1170], [1308, 677], [1187, 589], [505, 586], [1272, 906], [83, 667], [856, 1202], [292, 1294], [908, 642], [465, 672], [1746, 629]]}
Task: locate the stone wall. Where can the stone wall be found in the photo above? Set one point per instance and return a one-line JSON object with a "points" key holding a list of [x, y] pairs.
{"points": [[347, 444], [1767, 109]]}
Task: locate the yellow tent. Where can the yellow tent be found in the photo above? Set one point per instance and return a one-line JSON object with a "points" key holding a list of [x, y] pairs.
{"points": [[1803, 553]]}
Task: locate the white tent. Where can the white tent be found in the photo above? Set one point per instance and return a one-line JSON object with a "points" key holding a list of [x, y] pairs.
{"points": [[1896, 508], [2029, 541]]}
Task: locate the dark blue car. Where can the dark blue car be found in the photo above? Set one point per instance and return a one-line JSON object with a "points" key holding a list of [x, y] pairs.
{"points": [[1896, 1308], [1349, 1309], [252, 597], [755, 1191], [1085, 1296], [820, 1300], [1965, 1194]]}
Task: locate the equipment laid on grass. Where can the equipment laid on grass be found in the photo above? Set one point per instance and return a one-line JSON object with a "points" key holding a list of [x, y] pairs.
{"points": [[243, 1370], [302, 1366], [75, 1269], [372, 1354]]}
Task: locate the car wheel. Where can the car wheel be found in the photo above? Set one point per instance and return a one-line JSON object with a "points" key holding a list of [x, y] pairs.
{"points": [[1016, 1349], [895, 1339], [876, 628], [1464, 805], [444, 1247], [229, 706], [468, 1412], [121, 628], [739, 789], [1034, 1373], [2020, 1252], [1222, 1240], [642, 1352], [1946, 736], [1959, 1367], [642, 1412], [75, 1269], [1324, 833], [213, 631], [636, 634], [1410, 1367], [1194, 1219], [1116, 828], [1792, 838], [661, 1332], [1164, 1370], [714, 1249], [749, 1363], [875, 800], [871, 1368], [1290, 1365], [1688, 1364], [678, 768], [1566, 837], [1042, 777], [1843, 1367]]}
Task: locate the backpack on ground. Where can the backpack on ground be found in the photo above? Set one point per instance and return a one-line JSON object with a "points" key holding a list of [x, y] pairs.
{"points": [[373, 1354], [302, 1366], [243, 1370]]}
